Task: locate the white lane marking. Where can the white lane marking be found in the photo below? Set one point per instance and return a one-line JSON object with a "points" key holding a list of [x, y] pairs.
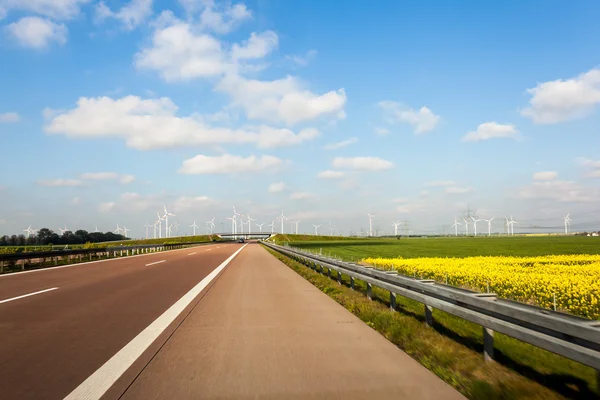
{"points": [[100, 381], [88, 262], [157, 262], [209, 250], [27, 295], [191, 254]]}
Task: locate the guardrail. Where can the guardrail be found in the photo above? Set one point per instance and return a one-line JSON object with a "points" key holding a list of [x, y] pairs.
{"points": [[57, 256], [570, 336]]}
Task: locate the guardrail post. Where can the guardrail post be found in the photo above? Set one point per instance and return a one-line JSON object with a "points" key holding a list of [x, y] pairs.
{"points": [[339, 278], [428, 315], [329, 273], [392, 301], [369, 291], [352, 282], [55, 260], [1, 267], [488, 344]]}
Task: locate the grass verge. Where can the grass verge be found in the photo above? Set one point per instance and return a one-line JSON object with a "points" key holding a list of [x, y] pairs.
{"points": [[453, 348]]}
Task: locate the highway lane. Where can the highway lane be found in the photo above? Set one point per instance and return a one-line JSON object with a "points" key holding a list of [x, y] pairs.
{"points": [[262, 331], [52, 341]]}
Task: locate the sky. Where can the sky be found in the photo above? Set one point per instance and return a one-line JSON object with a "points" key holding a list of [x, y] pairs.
{"points": [[410, 111]]}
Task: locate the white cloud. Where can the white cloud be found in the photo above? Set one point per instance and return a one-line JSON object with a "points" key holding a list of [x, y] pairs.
{"points": [[152, 123], [400, 200], [76, 201], [37, 33], [2, 13], [187, 203], [302, 60], [439, 183], [222, 19], [339, 145], [130, 15], [329, 174], [592, 166], [563, 100], [60, 182], [545, 176], [179, 54], [106, 207], [561, 191], [229, 164], [300, 195], [458, 190], [381, 131], [104, 176], [362, 163], [283, 100], [258, 46], [423, 120], [491, 130], [9, 117], [276, 187], [55, 9]]}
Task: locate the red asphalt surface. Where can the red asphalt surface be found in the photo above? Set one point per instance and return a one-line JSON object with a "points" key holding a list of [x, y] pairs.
{"points": [[51, 342]]}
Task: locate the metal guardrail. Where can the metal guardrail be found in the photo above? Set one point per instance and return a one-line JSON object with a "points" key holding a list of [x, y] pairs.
{"points": [[570, 336], [98, 252]]}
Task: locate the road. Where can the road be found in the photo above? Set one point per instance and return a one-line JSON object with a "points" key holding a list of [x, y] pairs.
{"points": [[192, 323]]}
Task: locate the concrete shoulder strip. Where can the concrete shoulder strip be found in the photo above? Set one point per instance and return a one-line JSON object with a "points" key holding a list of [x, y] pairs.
{"points": [[100, 381]]}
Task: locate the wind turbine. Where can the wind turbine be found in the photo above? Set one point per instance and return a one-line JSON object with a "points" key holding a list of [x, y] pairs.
{"points": [[370, 224], [176, 228], [194, 226], [291, 226], [260, 226], [489, 221], [250, 223], [211, 225], [512, 223], [29, 231], [566, 218], [331, 229], [396, 224], [166, 218], [272, 226], [316, 229], [154, 225], [159, 225], [147, 226], [455, 225], [125, 230], [96, 230], [282, 217], [297, 222], [475, 224], [117, 231], [466, 227]]}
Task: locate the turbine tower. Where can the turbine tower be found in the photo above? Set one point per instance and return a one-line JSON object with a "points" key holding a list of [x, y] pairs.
{"points": [[512, 223], [466, 227], [250, 223], [260, 226], [159, 225], [166, 218], [282, 217], [147, 226], [297, 222], [316, 229], [489, 221], [455, 226], [194, 226], [396, 225], [125, 230], [272, 226], [475, 220], [370, 224], [211, 225], [331, 229], [566, 218]]}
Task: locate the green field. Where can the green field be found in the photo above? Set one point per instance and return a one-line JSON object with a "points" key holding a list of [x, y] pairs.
{"points": [[358, 249]]}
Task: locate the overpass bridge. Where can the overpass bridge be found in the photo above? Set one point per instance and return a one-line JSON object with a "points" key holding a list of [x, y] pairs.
{"points": [[238, 235]]}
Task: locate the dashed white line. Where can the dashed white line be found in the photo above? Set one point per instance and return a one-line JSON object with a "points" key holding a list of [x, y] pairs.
{"points": [[157, 262], [208, 249], [99, 382], [191, 254], [27, 295]]}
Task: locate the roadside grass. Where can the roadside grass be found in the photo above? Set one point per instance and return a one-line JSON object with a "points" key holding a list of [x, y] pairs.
{"points": [[453, 348], [357, 249]]}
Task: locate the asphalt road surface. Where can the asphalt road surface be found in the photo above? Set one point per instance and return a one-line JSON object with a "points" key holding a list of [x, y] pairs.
{"points": [[217, 321]]}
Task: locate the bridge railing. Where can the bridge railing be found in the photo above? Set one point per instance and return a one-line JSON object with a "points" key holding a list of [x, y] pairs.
{"points": [[24, 260], [570, 336]]}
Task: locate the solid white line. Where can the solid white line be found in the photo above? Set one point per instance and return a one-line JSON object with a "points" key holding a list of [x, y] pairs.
{"points": [[191, 254], [100, 381], [89, 262], [157, 262], [27, 295]]}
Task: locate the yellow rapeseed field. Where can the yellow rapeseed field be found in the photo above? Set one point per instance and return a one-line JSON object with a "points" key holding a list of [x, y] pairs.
{"points": [[573, 279]]}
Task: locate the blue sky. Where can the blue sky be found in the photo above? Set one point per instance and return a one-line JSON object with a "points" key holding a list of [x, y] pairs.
{"points": [[110, 110]]}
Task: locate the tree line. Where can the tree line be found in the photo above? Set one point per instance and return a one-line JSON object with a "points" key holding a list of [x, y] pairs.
{"points": [[47, 237]]}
